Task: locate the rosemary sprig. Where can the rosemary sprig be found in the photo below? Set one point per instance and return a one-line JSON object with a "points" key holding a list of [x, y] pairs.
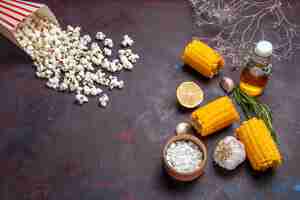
{"points": [[253, 108]]}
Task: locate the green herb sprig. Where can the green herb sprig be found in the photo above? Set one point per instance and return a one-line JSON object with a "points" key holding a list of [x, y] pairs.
{"points": [[253, 108]]}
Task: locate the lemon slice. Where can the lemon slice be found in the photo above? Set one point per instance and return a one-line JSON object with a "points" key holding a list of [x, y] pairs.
{"points": [[189, 94]]}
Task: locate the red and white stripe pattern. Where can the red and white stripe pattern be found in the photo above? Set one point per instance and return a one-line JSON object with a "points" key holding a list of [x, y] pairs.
{"points": [[12, 12]]}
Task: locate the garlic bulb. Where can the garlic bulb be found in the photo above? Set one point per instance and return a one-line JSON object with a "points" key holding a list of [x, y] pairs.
{"points": [[229, 153], [227, 84], [183, 128]]}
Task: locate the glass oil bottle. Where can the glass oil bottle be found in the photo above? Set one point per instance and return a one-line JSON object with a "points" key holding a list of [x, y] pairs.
{"points": [[256, 73]]}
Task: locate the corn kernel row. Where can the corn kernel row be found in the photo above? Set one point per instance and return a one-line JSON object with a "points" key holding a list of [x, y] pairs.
{"points": [[214, 116], [261, 149], [202, 58]]}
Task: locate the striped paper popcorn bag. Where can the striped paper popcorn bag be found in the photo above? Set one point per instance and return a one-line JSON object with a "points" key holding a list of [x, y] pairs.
{"points": [[14, 12]]}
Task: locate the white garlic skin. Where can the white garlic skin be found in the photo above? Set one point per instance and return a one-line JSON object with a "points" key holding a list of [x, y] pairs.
{"points": [[183, 128], [229, 153], [227, 84]]}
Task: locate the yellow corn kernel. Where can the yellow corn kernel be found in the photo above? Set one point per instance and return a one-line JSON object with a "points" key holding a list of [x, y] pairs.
{"points": [[214, 116], [202, 58], [261, 149]]}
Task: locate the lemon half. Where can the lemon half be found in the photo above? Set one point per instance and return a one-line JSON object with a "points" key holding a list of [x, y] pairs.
{"points": [[189, 94]]}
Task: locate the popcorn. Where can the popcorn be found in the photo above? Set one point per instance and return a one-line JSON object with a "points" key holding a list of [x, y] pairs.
{"points": [[81, 99], [115, 66], [73, 86], [115, 83], [126, 63], [121, 52], [133, 58], [107, 51], [69, 64], [96, 91], [86, 39], [127, 52], [103, 100], [95, 47], [97, 60], [100, 36], [127, 41], [87, 90], [53, 83], [108, 42], [105, 63], [63, 86]]}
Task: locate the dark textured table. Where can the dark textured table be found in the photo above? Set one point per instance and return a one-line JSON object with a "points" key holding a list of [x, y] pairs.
{"points": [[51, 149]]}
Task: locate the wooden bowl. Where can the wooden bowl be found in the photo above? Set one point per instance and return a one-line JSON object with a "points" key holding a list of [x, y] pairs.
{"points": [[185, 176]]}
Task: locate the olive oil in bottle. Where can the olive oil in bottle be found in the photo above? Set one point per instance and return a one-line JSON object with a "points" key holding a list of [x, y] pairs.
{"points": [[256, 73]]}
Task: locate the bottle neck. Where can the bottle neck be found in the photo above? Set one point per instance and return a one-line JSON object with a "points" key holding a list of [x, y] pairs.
{"points": [[260, 61]]}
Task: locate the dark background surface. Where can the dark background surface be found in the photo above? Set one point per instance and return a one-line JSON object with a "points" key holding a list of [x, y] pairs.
{"points": [[52, 149]]}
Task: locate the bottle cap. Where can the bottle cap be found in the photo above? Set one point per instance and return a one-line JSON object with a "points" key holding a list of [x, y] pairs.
{"points": [[263, 48]]}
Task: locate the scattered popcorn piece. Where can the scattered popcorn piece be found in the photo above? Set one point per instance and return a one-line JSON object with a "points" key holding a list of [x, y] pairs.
{"points": [[107, 51], [127, 41], [128, 52], [81, 99], [121, 52], [63, 86], [79, 90], [87, 90], [86, 39], [105, 63], [73, 86], [100, 36], [96, 91], [126, 63], [95, 48], [115, 83], [108, 42], [103, 100], [133, 58], [53, 83], [115, 66]]}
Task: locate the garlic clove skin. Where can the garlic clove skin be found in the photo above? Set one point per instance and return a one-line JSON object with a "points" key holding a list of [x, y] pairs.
{"points": [[227, 84], [229, 153]]}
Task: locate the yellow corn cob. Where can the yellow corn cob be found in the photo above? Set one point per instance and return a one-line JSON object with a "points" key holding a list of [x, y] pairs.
{"points": [[261, 149], [214, 116], [202, 58]]}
